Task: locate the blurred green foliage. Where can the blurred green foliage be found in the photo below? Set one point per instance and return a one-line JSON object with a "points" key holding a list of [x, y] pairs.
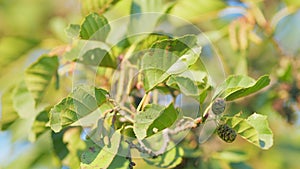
{"points": [[252, 37]]}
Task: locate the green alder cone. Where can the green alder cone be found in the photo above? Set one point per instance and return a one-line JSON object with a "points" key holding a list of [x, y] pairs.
{"points": [[226, 133], [218, 106]]}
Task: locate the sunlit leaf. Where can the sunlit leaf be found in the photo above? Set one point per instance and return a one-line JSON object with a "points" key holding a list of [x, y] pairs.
{"points": [[39, 124], [12, 48], [75, 146], [83, 101], [195, 10], [154, 118], [169, 159], [23, 102], [98, 6], [185, 85], [8, 114], [73, 30], [150, 40], [191, 83], [57, 26], [38, 76], [97, 157], [144, 45], [237, 86], [94, 27], [98, 57], [93, 53], [150, 11], [255, 129], [120, 161], [232, 156], [265, 134], [167, 57], [292, 3], [244, 129], [21, 129]]}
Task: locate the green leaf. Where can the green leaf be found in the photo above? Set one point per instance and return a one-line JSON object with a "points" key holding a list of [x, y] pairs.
{"points": [[59, 147], [23, 101], [83, 101], [244, 129], [99, 6], [255, 129], [185, 85], [150, 40], [143, 46], [92, 53], [159, 6], [150, 11], [38, 76], [198, 10], [98, 57], [120, 47], [57, 25], [231, 156], [169, 159], [94, 27], [191, 83], [96, 157], [8, 114], [21, 129], [120, 161], [237, 86], [167, 57], [178, 46], [39, 124], [75, 146], [12, 48], [154, 117], [73, 30], [265, 134]]}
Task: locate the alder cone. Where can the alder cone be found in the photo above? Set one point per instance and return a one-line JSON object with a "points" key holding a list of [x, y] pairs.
{"points": [[226, 133], [218, 106]]}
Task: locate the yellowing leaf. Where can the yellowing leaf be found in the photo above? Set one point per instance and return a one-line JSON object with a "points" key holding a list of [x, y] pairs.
{"points": [[38, 76]]}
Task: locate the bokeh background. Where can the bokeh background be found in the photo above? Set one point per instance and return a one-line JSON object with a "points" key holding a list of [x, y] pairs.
{"points": [[253, 37]]}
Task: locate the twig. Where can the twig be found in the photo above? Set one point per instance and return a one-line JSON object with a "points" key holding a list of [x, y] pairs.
{"points": [[118, 109], [127, 110], [183, 126], [166, 139], [128, 117], [141, 148], [128, 157]]}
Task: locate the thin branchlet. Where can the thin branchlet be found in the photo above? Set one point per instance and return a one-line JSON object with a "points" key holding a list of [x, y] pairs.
{"points": [[129, 158], [141, 148]]}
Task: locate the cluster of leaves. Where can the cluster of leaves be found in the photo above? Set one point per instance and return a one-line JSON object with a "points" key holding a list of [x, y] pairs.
{"points": [[116, 126]]}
